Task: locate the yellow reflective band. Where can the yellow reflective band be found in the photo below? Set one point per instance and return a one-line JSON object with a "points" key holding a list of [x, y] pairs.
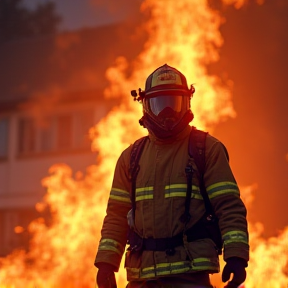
{"points": [[175, 190], [176, 186], [144, 193], [204, 264], [144, 189], [221, 188], [165, 269], [180, 190], [162, 269], [120, 195], [119, 198], [176, 267], [111, 245], [235, 236]]}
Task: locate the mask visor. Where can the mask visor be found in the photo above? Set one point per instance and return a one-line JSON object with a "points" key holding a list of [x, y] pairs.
{"points": [[159, 103]]}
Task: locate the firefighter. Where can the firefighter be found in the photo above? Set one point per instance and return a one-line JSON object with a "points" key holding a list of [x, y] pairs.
{"points": [[161, 252]]}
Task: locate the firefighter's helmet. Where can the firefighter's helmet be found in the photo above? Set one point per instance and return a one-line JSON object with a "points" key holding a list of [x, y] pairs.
{"points": [[166, 102]]}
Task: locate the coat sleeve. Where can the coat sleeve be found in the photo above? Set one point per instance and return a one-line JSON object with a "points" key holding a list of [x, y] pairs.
{"points": [[115, 228], [224, 194]]}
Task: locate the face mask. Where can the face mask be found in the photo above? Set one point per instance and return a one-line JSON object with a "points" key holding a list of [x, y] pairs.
{"points": [[160, 103]]}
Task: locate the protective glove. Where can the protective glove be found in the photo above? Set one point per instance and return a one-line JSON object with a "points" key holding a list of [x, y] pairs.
{"points": [[236, 266], [105, 276]]}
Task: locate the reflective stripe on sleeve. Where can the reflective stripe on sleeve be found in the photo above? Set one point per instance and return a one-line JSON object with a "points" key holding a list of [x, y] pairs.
{"points": [[234, 237], [221, 188], [111, 245], [120, 195]]}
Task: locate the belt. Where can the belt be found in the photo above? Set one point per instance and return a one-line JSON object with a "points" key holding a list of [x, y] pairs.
{"points": [[162, 244], [165, 244]]}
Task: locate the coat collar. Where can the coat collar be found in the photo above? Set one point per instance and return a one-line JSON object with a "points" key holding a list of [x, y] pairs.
{"points": [[180, 136]]}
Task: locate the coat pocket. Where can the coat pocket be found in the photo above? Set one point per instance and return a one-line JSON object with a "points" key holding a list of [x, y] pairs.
{"points": [[133, 259], [204, 255]]}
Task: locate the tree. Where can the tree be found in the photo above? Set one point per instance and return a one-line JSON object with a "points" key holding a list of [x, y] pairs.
{"points": [[18, 22]]}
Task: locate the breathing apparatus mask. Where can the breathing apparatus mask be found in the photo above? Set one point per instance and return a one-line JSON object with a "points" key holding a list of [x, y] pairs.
{"points": [[166, 102]]}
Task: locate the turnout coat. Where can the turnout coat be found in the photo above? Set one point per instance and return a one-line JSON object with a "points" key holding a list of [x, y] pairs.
{"points": [[160, 202]]}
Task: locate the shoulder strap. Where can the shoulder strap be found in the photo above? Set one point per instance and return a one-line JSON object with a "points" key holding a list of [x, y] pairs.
{"points": [[196, 150], [136, 152]]}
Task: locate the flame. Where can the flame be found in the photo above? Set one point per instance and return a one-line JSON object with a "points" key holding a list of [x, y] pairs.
{"points": [[18, 229], [184, 34], [268, 265]]}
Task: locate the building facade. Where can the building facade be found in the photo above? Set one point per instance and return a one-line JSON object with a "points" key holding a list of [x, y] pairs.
{"points": [[51, 94]]}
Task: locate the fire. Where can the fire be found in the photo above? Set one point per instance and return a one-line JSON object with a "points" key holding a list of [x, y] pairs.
{"points": [[18, 229], [268, 265], [184, 34]]}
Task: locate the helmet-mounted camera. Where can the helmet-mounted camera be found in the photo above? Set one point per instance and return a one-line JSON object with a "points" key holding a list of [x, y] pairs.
{"points": [[138, 96]]}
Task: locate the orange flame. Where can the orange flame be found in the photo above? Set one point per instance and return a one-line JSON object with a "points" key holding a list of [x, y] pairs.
{"points": [[18, 229], [184, 34]]}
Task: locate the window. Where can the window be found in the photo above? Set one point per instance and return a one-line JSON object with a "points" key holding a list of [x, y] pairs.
{"points": [[9, 241], [56, 133], [84, 120], [47, 135], [27, 133], [64, 132], [4, 128]]}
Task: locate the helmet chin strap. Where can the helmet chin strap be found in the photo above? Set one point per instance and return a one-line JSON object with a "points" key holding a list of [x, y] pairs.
{"points": [[147, 122]]}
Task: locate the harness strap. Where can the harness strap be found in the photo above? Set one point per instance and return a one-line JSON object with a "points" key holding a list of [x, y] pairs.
{"points": [[196, 150], [136, 152], [189, 174]]}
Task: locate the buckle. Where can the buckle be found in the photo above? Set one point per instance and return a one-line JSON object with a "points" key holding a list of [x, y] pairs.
{"points": [[170, 251]]}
